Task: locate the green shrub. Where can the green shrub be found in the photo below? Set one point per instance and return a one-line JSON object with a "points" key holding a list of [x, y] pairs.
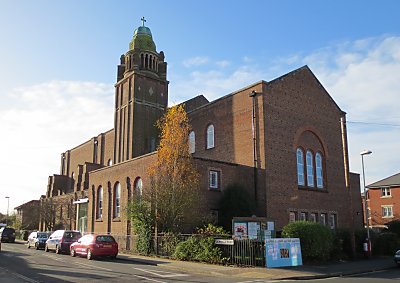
{"points": [[316, 240], [341, 247], [394, 227], [386, 243], [25, 235], [202, 246]]}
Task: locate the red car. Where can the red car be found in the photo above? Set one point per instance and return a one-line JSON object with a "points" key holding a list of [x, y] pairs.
{"points": [[95, 246]]}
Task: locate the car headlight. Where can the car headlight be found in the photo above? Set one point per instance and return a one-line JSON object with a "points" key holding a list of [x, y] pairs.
{"points": [[398, 252]]}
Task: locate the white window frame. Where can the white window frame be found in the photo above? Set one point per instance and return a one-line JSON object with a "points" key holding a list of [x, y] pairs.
{"points": [[292, 216], [300, 167], [213, 179], [313, 217], [192, 142], [387, 211], [303, 216], [117, 201], [210, 136], [100, 203], [139, 186], [323, 218], [318, 170], [332, 221], [385, 192], [310, 168]]}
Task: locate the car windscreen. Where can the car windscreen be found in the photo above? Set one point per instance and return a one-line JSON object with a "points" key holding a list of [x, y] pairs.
{"points": [[107, 239], [72, 235], [42, 235]]}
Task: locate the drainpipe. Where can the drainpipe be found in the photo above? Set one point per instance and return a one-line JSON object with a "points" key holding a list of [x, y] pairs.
{"points": [[253, 127]]}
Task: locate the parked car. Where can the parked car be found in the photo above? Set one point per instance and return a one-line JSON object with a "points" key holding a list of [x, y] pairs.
{"points": [[37, 239], [60, 240], [95, 246], [397, 257], [7, 234]]}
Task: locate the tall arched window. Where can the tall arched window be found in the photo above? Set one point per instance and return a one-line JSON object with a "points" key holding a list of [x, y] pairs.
{"points": [[139, 186], [192, 142], [310, 169], [300, 167], [100, 203], [318, 168], [210, 136], [117, 200]]}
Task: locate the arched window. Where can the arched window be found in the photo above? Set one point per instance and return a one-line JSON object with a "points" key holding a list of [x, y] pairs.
{"points": [[210, 136], [310, 169], [117, 200], [300, 167], [109, 162], [100, 203], [318, 168], [139, 186], [192, 142]]}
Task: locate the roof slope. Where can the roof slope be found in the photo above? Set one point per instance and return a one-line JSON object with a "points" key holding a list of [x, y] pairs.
{"points": [[387, 182]]}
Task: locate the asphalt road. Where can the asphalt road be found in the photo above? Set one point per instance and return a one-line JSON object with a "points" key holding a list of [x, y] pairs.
{"points": [[20, 264]]}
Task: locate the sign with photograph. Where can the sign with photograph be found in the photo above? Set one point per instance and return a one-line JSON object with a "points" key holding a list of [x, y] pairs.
{"points": [[283, 252], [240, 230]]}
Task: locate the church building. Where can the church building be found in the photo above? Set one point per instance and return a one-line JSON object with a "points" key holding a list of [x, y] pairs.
{"points": [[284, 141]]}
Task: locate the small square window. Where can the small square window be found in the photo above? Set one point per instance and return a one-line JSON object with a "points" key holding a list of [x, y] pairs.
{"points": [[322, 219], [303, 216], [313, 217], [385, 192], [332, 221], [292, 216], [214, 181]]}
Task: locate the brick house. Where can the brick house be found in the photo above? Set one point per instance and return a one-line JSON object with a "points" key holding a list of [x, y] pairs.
{"points": [[28, 215], [284, 141], [383, 201]]}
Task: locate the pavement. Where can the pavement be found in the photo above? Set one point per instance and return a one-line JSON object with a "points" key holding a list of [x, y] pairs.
{"points": [[304, 272]]}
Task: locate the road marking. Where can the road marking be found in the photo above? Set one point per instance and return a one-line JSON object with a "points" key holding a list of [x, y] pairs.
{"points": [[20, 276], [94, 266], [158, 273], [149, 279]]}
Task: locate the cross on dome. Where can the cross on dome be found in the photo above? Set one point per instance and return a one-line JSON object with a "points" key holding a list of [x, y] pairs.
{"points": [[143, 21]]}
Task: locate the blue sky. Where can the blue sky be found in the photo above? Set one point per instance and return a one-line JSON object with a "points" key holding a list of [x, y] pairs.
{"points": [[58, 66]]}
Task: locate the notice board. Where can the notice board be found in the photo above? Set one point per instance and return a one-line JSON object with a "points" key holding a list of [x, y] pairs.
{"points": [[283, 252]]}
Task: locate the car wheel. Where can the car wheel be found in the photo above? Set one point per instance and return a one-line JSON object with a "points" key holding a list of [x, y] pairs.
{"points": [[58, 250], [72, 252], [46, 248], [37, 246], [114, 257], [89, 254]]}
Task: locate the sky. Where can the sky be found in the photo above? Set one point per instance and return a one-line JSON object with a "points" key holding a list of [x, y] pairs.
{"points": [[58, 62]]}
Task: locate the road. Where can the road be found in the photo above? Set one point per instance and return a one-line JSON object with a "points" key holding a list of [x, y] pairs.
{"points": [[20, 264]]}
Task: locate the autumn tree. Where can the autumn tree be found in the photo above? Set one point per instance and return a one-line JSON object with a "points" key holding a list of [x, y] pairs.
{"points": [[174, 192]]}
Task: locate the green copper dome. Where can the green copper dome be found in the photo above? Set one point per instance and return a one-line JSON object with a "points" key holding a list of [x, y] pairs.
{"points": [[142, 39]]}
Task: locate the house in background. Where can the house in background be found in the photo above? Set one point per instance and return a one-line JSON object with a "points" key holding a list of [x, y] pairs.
{"points": [[28, 215], [383, 201], [284, 141]]}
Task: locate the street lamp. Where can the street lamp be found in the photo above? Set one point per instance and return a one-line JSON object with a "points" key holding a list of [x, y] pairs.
{"points": [[366, 152], [8, 206]]}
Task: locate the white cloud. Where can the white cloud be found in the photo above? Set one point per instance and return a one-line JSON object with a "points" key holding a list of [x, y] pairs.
{"points": [[39, 123], [363, 77], [223, 63], [195, 61], [365, 82]]}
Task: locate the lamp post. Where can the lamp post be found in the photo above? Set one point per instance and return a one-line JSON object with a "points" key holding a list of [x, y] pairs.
{"points": [[366, 152], [8, 206]]}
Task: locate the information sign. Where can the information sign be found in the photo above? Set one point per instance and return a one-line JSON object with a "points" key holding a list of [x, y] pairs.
{"points": [[283, 252]]}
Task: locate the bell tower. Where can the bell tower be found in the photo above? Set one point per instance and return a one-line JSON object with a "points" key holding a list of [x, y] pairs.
{"points": [[141, 97]]}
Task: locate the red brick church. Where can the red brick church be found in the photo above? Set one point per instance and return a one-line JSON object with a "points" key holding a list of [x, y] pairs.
{"points": [[284, 140]]}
